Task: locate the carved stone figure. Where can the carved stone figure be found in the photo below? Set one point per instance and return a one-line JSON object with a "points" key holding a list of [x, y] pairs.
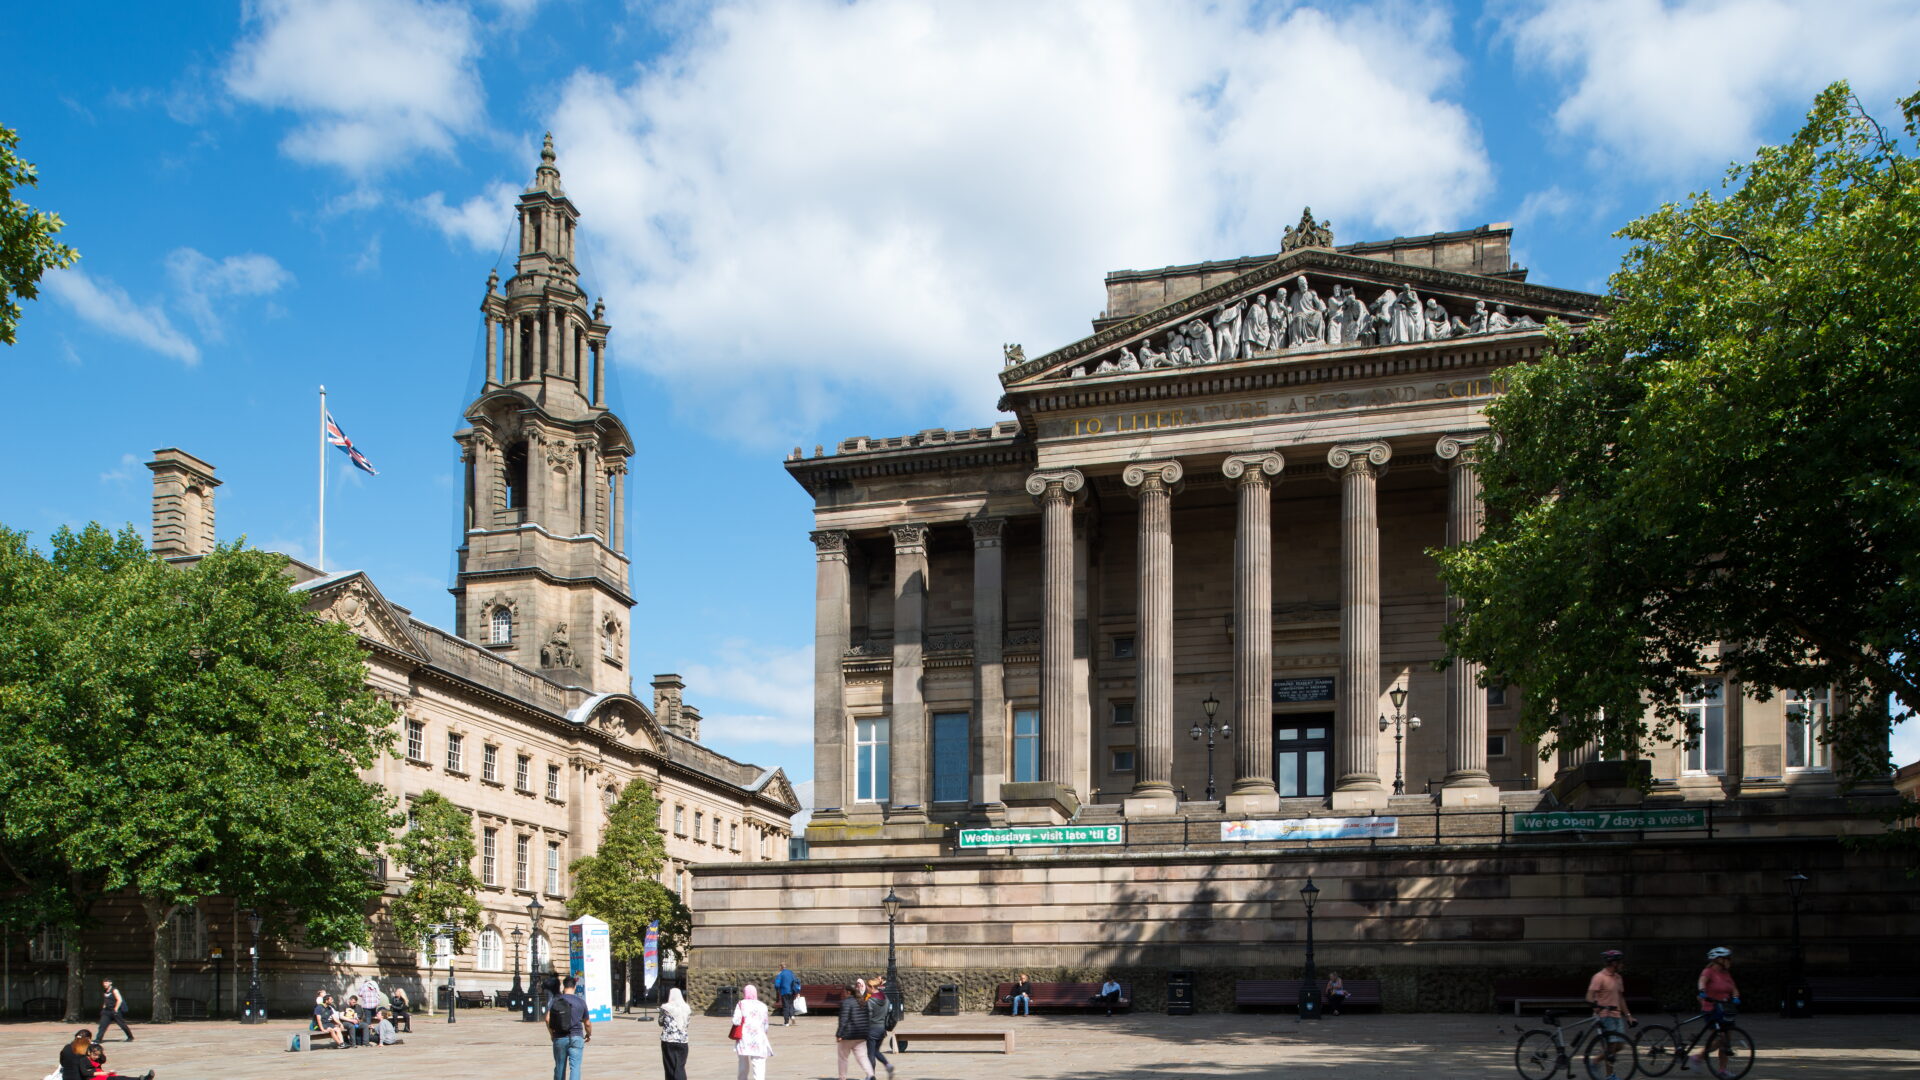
{"points": [[1014, 353], [557, 652], [1478, 324], [1199, 341], [1383, 308], [1360, 328], [1256, 333], [1338, 330], [1308, 233], [1306, 315], [1407, 323], [1179, 353], [1523, 322], [1498, 321], [1148, 357], [1438, 327], [1226, 330]]}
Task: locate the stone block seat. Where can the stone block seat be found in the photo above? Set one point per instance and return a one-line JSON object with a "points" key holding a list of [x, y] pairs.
{"points": [[1534, 994], [823, 999], [1285, 993], [1864, 992], [1063, 995]]}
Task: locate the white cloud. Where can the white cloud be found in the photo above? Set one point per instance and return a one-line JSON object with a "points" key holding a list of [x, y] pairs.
{"points": [[809, 202], [123, 473], [200, 282], [1674, 85], [754, 694], [481, 222], [374, 81], [1548, 202], [108, 307]]}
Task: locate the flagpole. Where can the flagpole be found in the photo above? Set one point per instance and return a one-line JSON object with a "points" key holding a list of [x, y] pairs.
{"points": [[321, 558]]}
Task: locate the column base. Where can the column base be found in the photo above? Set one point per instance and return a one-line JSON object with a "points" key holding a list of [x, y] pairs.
{"points": [[1361, 798], [1040, 802], [1154, 802], [1469, 791], [1253, 801]]}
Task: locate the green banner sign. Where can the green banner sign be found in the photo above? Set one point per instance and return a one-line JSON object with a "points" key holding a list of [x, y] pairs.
{"points": [[1608, 820], [1040, 836]]}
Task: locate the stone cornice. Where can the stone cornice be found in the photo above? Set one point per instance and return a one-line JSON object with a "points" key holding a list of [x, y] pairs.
{"points": [[474, 577], [816, 474]]}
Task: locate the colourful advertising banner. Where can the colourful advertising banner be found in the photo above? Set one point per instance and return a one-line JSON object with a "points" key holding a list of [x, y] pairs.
{"points": [[1041, 836], [1608, 820], [653, 953], [590, 959], [1312, 828]]}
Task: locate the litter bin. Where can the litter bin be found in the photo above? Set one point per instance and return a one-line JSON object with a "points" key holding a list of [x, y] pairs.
{"points": [[1179, 993], [946, 1001], [724, 1000]]}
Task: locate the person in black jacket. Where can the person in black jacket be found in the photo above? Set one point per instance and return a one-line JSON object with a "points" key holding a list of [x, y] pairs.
{"points": [[76, 1061], [851, 1035], [879, 1010]]}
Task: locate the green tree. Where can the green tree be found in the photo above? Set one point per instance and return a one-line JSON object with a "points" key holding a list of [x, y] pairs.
{"points": [[179, 733], [620, 882], [437, 852], [1724, 473], [27, 246]]}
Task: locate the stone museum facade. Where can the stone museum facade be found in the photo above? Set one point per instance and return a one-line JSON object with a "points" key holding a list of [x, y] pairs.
{"points": [[524, 714], [1183, 599]]}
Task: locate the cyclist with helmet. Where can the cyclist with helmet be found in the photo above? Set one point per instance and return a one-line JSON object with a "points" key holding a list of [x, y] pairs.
{"points": [[1717, 991], [1607, 993]]}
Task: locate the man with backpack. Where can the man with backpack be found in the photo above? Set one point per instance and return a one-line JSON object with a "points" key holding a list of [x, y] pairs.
{"points": [[571, 1030]]}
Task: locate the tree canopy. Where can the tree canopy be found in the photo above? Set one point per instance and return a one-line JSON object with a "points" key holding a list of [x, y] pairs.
{"points": [[27, 245], [620, 882], [1723, 474], [437, 853]]}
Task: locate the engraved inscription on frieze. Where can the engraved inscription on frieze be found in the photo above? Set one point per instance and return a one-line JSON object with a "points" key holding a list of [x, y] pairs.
{"points": [[1131, 421]]}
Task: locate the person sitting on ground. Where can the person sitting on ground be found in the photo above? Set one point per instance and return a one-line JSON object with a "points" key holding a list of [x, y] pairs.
{"points": [[1336, 992], [384, 1035], [327, 1022], [402, 1009], [76, 1060], [1109, 994], [1022, 999]]}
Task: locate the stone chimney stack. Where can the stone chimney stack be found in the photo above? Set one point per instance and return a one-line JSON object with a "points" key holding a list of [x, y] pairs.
{"points": [[690, 722], [182, 503], [666, 702]]}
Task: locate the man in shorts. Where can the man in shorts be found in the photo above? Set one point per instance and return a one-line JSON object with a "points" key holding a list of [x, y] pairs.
{"points": [[1717, 991], [1607, 993]]}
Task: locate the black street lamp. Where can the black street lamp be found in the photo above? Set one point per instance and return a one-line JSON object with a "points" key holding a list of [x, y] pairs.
{"points": [[1401, 724], [514, 995], [1310, 986], [215, 954], [448, 935], [255, 1011], [1798, 1003], [1224, 729], [894, 996], [530, 1005]]}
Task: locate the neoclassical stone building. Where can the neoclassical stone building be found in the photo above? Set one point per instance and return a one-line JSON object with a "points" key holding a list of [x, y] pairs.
{"points": [[525, 714]]}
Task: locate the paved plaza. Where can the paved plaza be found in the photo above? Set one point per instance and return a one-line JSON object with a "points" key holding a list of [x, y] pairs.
{"points": [[490, 1044]]}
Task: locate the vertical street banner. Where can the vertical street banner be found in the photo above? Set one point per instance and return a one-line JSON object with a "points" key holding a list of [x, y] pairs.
{"points": [[590, 959], [653, 953]]}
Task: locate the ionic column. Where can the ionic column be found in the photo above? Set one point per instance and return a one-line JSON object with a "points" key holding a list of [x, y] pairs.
{"points": [[1153, 783], [1356, 761], [989, 636], [831, 631], [493, 348], [1253, 789], [1055, 490], [909, 712], [1467, 783]]}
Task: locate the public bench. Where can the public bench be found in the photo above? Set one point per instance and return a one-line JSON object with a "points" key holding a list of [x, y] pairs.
{"points": [[471, 999], [1864, 991], [1527, 995], [189, 1009], [44, 1008], [823, 999], [926, 1040], [503, 999], [1285, 993], [1063, 995]]}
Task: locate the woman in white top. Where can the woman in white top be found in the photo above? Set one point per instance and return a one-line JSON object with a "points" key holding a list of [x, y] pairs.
{"points": [[754, 1048], [673, 1035]]}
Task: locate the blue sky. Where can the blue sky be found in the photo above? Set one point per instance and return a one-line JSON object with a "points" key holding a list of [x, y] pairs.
{"points": [[809, 220]]}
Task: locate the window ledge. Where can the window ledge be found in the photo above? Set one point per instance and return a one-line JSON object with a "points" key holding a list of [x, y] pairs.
{"points": [[421, 762]]}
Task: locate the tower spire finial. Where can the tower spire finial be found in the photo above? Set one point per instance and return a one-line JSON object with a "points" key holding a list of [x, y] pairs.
{"points": [[547, 176]]}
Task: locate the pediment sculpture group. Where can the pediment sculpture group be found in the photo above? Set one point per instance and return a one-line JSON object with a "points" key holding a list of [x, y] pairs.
{"points": [[1300, 318]]}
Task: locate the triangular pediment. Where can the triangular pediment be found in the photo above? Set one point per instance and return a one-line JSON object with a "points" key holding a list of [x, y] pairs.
{"points": [[778, 789], [1307, 301], [352, 600]]}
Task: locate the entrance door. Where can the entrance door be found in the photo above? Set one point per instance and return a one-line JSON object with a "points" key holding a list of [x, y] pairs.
{"points": [[1302, 746]]}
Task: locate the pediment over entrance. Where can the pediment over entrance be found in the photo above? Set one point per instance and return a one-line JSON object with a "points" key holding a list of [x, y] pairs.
{"points": [[353, 600], [1305, 302]]}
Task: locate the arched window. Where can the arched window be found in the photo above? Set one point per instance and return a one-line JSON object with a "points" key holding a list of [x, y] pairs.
{"points": [[490, 952], [502, 626], [189, 932]]}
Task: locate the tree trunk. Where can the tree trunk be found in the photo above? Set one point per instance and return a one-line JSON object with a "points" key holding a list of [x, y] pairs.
{"points": [[160, 918], [76, 980]]}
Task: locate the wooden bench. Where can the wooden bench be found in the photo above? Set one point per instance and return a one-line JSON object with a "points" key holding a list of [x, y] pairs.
{"points": [[502, 998], [471, 999], [823, 999], [1063, 996], [1285, 993], [44, 1008], [189, 1009], [1538, 994], [902, 1040], [1864, 991]]}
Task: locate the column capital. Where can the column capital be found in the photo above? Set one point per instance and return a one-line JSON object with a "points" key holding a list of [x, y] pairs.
{"points": [[1463, 447], [1153, 475], [1055, 483], [987, 530], [1367, 455], [829, 543], [910, 538], [1253, 468]]}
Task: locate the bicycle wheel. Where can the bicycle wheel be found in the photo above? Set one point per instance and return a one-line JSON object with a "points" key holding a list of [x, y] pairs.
{"points": [[1656, 1049], [1596, 1057], [1739, 1047], [1537, 1056]]}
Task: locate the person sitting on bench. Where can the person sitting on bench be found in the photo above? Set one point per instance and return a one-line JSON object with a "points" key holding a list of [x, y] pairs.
{"points": [[402, 1010], [1109, 994], [327, 1022], [1336, 993]]}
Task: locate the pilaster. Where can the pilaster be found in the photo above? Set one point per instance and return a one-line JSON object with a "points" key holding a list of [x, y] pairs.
{"points": [[830, 640]]}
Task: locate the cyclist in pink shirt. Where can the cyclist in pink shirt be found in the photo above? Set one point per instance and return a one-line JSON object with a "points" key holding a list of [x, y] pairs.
{"points": [[1607, 993], [1717, 993]]}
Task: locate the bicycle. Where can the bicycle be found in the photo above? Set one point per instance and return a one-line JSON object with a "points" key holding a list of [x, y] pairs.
{"points": [[1542, 1052], [1661, 1047]]}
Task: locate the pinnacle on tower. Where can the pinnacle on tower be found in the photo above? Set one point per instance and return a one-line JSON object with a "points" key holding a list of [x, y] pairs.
{"points": [[547, 177]]}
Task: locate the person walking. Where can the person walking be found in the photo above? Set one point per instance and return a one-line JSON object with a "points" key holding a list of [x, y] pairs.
{"points": [[850, 1038], [567, 1023], [787, 985], [1607, 992], [754, 1047], [1717, 993], [879, 1011], [112, 1011], [673, 1035]]}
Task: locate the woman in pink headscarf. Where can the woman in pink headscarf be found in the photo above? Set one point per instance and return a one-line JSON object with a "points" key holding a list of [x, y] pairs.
{"points": [[754, 1048]]}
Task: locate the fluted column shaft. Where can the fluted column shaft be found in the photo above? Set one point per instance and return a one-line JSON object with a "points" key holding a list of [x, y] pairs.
{"points": [[1055, 490], [909, 711], [989, 639], [1252, 475], [1357, 762], [1154, 485], [831, 627], [1466, 698]]}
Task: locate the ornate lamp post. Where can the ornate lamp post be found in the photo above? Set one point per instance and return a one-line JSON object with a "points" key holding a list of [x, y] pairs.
{"points": [[255, 1011], [530, 1006], [1799, 1000], [448, 934], [1224, 730], [1401, 724], [1310, 986], [894, 996], [214, 954], [514, 995]]}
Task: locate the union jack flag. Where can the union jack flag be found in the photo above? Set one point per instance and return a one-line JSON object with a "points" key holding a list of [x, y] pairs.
{"points": [[339, 439]]}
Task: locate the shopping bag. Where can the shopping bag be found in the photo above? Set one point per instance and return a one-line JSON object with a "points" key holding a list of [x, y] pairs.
{"points": [[799, 1004]]}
